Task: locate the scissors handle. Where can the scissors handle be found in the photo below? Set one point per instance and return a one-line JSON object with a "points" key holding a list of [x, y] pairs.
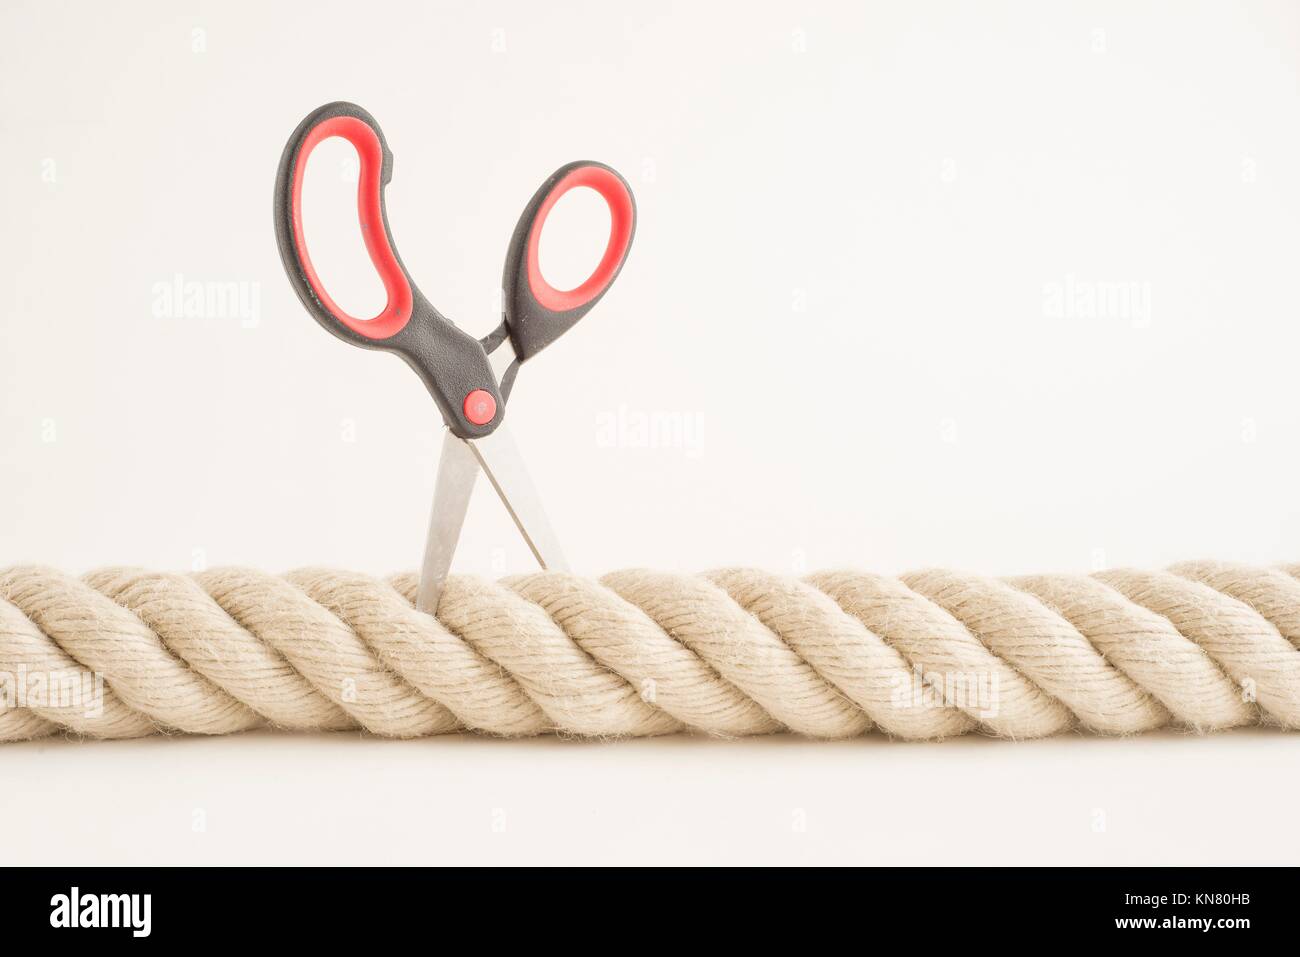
{"points": [[536, 313], [453, 364]]}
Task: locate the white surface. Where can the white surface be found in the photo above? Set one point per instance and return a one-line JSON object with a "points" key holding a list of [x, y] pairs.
{"points": [[866, 214], [1158, 799]]}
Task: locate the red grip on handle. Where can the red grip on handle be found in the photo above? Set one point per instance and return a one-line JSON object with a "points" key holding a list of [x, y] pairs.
{"points": [[621, 218], [397, 312]]}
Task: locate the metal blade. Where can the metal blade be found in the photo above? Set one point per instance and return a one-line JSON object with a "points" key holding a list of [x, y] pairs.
{"points": [[457, 470], [500, 460]]}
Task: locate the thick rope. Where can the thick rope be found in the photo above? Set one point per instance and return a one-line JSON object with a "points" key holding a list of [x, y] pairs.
{"points": [[121, 653]]}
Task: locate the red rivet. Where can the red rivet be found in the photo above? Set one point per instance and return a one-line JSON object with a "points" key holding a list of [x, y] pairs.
{"points": [[480, 407]]}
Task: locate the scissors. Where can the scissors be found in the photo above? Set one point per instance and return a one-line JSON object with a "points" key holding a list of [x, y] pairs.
{"points": [[453, 365]]}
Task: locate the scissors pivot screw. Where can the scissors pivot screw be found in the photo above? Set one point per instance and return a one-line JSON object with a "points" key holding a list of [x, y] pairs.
{"points": [[480, 407]]}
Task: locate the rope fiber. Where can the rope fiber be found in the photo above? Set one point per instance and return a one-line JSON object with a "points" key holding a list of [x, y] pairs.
{"points": [[120, 653]]}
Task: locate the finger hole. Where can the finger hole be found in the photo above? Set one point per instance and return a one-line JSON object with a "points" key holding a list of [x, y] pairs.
{"points": [[574, 239], [622, 218], [332, 230], [370, 217]]}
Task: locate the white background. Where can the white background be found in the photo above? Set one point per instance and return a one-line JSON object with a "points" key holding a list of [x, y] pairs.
{"points": [[855, 307]]}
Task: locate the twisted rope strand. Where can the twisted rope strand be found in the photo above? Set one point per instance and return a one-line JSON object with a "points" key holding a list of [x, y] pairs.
{"points": [[122, 653]]}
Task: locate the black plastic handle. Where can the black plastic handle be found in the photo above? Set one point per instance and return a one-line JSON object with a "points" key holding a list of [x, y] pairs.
{"points": [[452, 364], [536, 313]]}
